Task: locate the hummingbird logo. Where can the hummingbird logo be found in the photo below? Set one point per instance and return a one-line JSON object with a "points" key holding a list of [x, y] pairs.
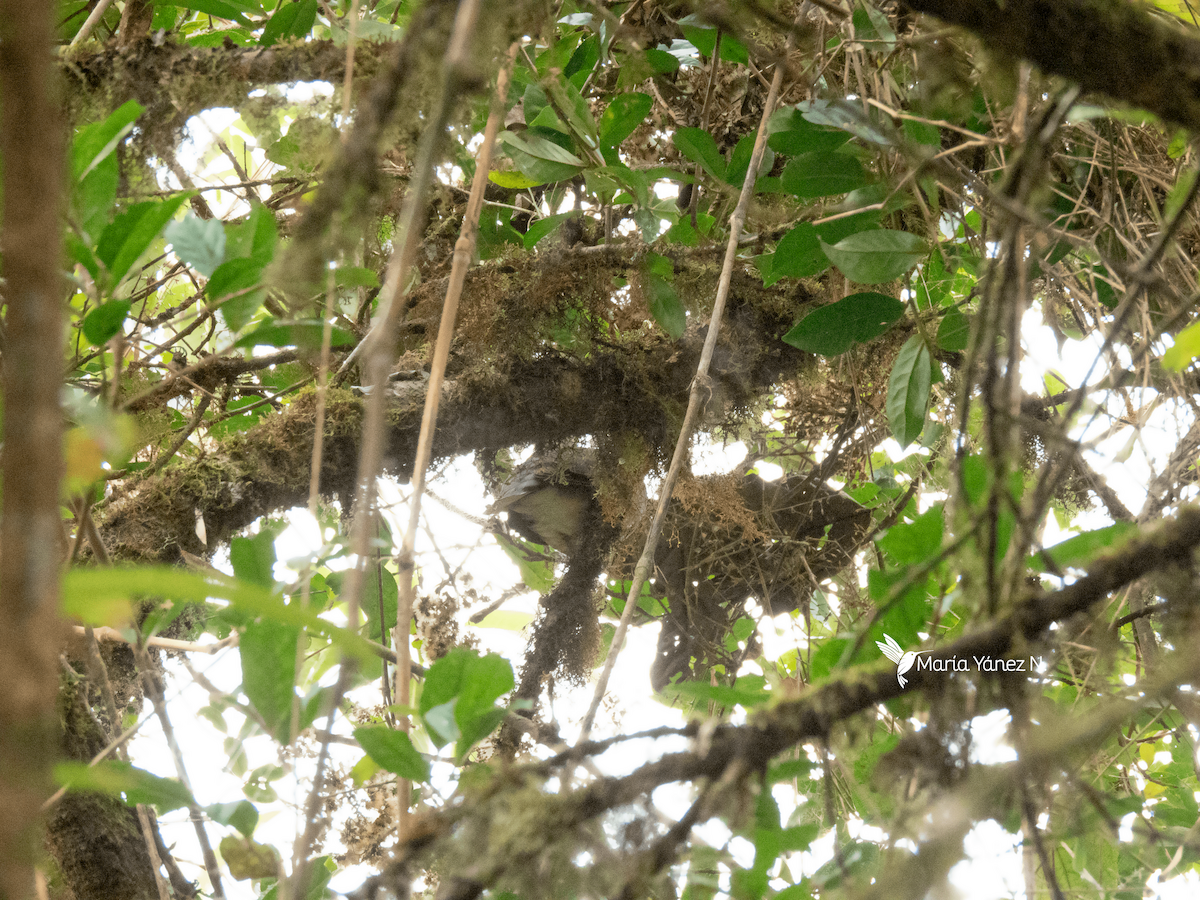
{"points": [[903, 659]]}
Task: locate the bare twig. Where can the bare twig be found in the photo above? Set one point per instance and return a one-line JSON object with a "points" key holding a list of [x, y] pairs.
{"points": [[697, 398]]}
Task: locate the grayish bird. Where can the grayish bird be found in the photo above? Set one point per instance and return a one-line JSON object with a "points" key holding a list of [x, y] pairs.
{"points": [[547, 499]]}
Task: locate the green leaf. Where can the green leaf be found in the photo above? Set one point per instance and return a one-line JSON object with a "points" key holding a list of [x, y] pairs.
{"points": [[1082, 548], [749, 691], [835, 328], [541, 148], [793, 135], [85, 590], [574, 109], [739, 160], [117, 778], [95, 143], [823, 174], [93, 199], [797, 255], [703, 37], [292, 20], [908, 390], [543, 227], [910, 543], [254, 408], [622, 117], [513, 180], [253, 558], [254, 237], [380, 597], [103, 322], [698, 146], [536, 569], [848, 116], [875, 257], [131, 233], [665, 306], [306, 334], [954, 331], [237, 276], [268, 652], [1185, 349], [474, 682], [661, 61], [217, 8], [394, 751], [199, 243], [242, 815]]}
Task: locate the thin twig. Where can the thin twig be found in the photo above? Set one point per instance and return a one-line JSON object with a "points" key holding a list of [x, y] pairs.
{"points": [[697, 397]]}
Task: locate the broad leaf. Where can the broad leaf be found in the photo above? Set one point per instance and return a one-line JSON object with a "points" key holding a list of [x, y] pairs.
{"points": [[875, 257], [823, 174], [131, 233], [698, 146], [834, 329], [908, 390], [393, 750], [622, 117]]}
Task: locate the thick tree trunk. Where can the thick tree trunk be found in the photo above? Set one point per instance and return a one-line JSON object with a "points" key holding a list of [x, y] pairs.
{"points": [[31, 530]]}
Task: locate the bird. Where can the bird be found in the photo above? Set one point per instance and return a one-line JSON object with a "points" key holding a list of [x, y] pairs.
{"points": [[903, 660], [548, 499]]}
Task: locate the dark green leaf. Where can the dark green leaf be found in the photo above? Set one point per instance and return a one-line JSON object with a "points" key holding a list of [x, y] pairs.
{"points": [[792, 135], [698, 146], [823, 174], [834, 329], [954, 331], [909, 543], [798, 254], [908, 390], [292, 20], [739, 160], [622, 117], [103, 322], [664, 304], [661, 61], [874, 257], [131, 233], [703, 37], [199, 243], [394, 751], [543, 227], [574, 109], [850, 117]]}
